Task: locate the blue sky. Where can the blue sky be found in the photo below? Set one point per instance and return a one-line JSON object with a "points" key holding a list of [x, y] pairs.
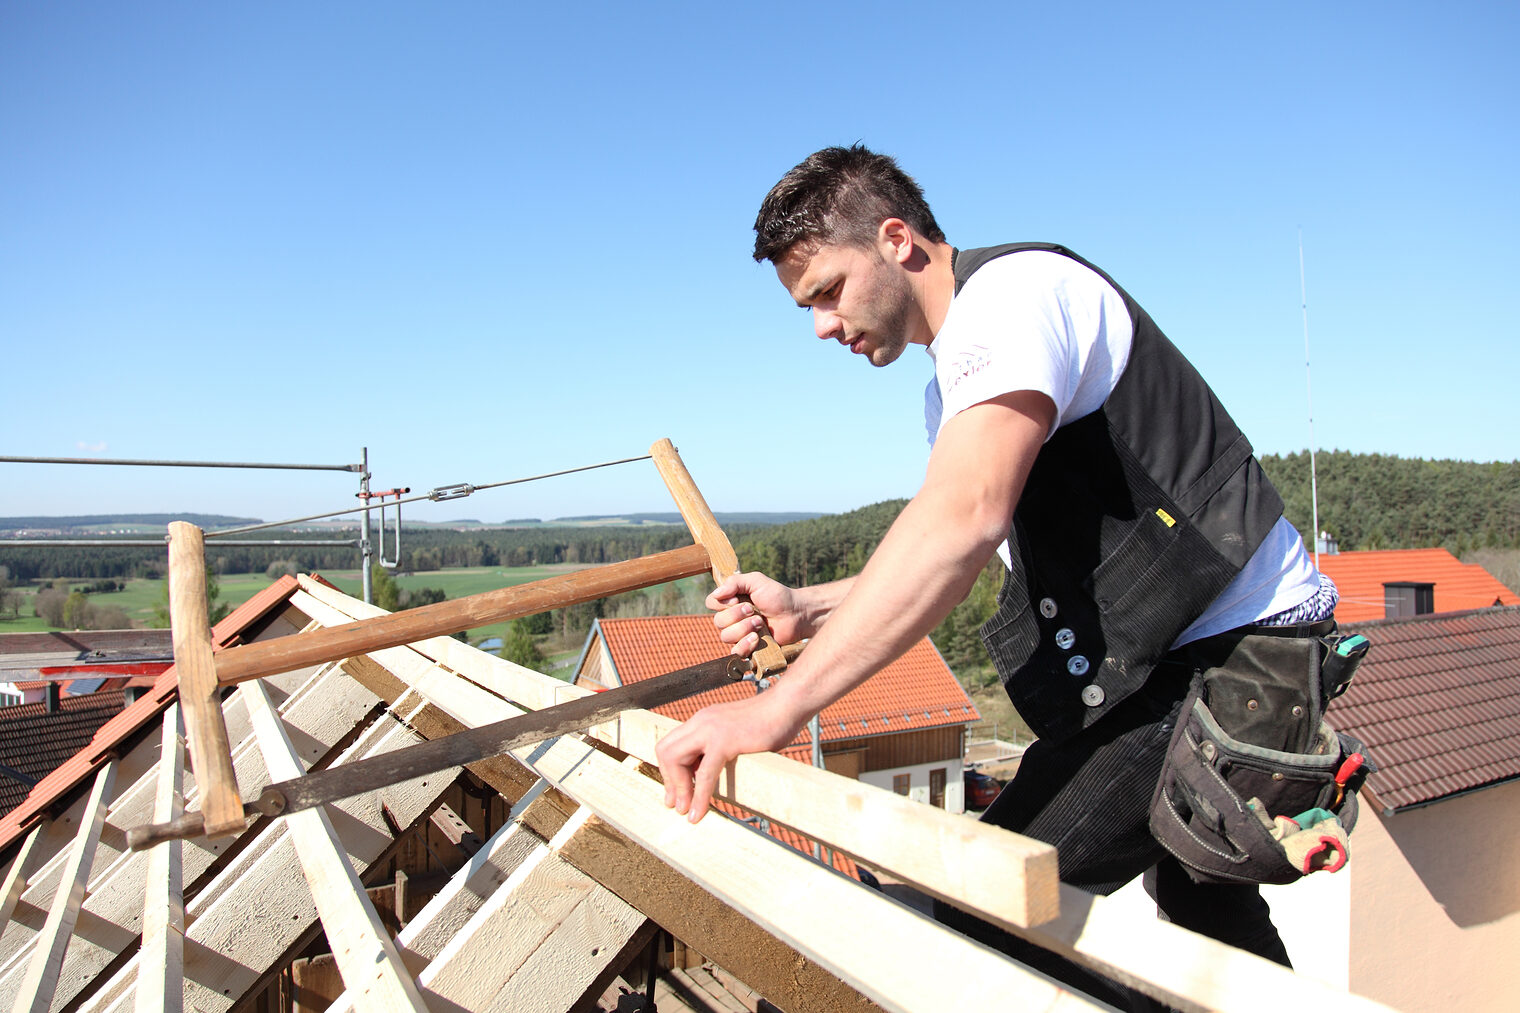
{"points": [[487, 240]]}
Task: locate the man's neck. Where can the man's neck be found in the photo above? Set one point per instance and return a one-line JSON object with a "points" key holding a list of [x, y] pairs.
{"points": [[936, 286]]}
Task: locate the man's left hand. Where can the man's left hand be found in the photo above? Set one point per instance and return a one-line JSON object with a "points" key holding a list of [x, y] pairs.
{"points": [[694, 755]]}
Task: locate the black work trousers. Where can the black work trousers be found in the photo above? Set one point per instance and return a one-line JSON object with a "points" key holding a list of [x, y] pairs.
{"points": [[1090, 797]]}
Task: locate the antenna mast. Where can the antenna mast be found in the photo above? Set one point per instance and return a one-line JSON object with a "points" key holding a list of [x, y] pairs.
{"points": [[1303, 293]]}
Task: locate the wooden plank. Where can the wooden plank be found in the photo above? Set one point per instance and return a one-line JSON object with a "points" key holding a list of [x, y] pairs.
{"points": [[18, 875], [163, 925], [639, 877], [536, 943], [263, 886], [366, 955], [253, 661], [320, 710], [42, 974], [199, 692], [466, 701], [1002, 877], [799, 901], [707, 533]]}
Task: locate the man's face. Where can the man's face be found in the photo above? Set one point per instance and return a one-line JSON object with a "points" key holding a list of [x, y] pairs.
{"points": [[858, 296]]}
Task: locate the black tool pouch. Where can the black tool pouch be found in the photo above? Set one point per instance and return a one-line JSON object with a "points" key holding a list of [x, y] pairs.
{"points": [[1251, 745]]}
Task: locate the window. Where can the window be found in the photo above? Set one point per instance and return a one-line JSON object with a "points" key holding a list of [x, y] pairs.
{"points": [[901, 783], [1406, 598]]}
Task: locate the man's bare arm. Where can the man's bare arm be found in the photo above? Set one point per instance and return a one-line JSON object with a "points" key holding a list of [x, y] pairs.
{"points": [[923, 568]]}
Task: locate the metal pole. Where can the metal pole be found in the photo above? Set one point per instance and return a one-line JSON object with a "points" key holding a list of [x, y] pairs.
{"points": [[364, 548], [178, 464], [1303, 293], [816, 734]]}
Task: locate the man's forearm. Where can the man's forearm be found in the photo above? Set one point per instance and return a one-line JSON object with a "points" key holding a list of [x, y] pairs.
{"points": [[922, 569]]}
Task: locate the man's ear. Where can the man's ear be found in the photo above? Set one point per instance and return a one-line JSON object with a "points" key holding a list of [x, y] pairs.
{"points": [[895, 240]]}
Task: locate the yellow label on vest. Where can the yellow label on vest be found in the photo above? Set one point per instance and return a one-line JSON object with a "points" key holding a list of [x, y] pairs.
{"points": [[1166, 518]]}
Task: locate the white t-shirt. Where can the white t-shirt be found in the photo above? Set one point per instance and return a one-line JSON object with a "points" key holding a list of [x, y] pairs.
{"points": [[1041, 321]]}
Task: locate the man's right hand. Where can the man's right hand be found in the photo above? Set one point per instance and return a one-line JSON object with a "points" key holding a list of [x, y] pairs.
{"points": [[739, 622]]}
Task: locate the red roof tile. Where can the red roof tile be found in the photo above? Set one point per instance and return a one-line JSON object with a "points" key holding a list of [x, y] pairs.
{"points": [[1360, 576], [35, 742], [797, 842], [1437, 701], [84, 763], [915, 691]]}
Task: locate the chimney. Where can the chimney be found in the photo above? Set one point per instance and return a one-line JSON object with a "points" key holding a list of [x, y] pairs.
{"points": [[52, 698], [1326, 544]]}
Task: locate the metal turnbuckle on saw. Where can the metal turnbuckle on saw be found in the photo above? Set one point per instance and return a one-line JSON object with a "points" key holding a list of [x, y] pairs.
{"points": [[202, 672]]}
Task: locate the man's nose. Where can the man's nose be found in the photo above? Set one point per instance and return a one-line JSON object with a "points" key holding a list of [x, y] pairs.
{"points": [[826, 324]]}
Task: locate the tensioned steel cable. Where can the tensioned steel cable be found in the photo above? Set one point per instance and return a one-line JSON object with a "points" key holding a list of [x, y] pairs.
{"points": [[438, 495]]}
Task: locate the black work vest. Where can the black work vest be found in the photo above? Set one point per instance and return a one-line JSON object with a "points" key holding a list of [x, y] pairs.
{"points": [[1133, 520]]}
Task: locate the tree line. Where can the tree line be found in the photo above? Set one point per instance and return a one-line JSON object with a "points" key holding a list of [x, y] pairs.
{"points": [[422, 549], [1377, 501]]}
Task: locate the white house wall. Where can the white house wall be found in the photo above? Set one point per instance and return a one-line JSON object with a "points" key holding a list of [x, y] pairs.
{"points": [[918, 786]]}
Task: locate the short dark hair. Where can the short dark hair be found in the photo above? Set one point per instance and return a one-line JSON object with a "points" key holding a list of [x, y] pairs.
{"points": [[840, 195]]}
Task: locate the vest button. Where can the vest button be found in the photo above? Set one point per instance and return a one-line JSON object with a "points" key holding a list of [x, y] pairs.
{"points": [[1065, 638], [1048, 608], [1092, 695], [1077, 665]]}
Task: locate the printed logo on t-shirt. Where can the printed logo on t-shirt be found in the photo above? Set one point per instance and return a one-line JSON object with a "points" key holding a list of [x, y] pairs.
{"points": [[967, 364]]}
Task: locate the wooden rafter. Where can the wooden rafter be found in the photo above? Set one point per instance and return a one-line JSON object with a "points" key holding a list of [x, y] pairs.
{"points": [[1015, 882], [36, 994], [366, 955], [1187, 970], [18, 875], [161, 986]]}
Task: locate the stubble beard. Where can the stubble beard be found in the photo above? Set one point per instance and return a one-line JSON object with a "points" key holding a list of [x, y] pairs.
{"points": [[893, 298]]}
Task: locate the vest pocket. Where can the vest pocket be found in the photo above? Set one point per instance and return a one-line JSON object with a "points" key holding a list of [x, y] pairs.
{"points": [[1133, 560]]}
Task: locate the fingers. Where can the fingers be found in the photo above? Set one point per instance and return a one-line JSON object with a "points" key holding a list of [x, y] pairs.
{"points": [[676, 760], [704, 787]]}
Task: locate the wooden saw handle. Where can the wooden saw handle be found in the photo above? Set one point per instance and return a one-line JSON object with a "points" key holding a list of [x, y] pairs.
{"points": [[769, 658]]}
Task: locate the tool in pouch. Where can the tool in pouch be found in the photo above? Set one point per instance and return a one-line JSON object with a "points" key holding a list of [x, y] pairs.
{"points": [[1257, 787], [375, 772]]}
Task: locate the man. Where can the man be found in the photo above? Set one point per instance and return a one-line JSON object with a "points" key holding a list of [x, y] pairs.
{"points": [[1072, 439]]}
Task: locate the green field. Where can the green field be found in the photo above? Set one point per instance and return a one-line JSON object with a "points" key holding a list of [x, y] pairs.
{"points": [[140, 596]]}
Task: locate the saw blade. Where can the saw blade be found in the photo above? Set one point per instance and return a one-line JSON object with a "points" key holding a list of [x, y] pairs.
{"points": [[410, 762]]}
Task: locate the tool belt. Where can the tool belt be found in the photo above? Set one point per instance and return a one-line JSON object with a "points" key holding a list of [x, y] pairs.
{"points": [[1256, 786]]}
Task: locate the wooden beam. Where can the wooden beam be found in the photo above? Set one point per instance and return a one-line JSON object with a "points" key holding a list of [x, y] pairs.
{"points": [[366, 956], [641, 878], [1182, 968], [36, 994], [800, 901], [199, 692], [111, 917], [162, 985], [707, 533], [253, 661], [19, 874], [262, 884], [537, 942], [1005, 878]]}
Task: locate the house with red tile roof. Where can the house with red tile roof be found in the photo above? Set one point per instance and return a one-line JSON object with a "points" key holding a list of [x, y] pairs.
{"points": [[1393, 582], [904, 729], [36, 738], [79, 662]]}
